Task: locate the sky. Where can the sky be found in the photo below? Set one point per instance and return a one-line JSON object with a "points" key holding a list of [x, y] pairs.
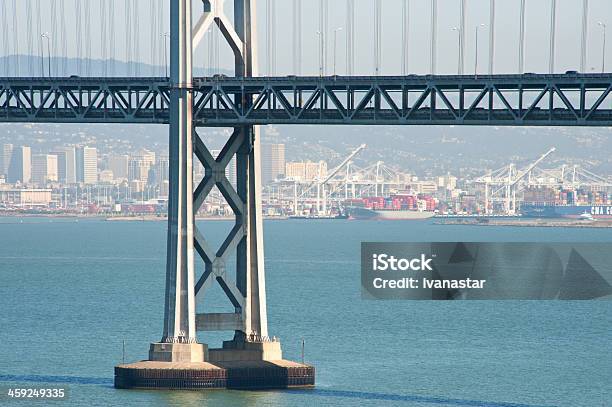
{"points": [[139, 35]]}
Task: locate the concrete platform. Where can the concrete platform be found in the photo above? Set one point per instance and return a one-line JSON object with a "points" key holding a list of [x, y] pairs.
{"points": [[243, 374]]}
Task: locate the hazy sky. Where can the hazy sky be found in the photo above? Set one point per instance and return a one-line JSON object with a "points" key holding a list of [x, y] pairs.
{"points": [[22, 34]]}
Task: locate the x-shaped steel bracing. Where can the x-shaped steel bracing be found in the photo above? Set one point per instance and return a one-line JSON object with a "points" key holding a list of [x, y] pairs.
{"points": [[247, 291]]}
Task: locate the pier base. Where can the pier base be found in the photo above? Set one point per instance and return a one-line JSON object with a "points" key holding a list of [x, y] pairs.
{"points": [[246, 375], [237, 365]]}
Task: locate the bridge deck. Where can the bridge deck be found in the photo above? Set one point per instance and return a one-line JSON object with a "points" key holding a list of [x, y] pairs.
{"points": [[500, 100]]}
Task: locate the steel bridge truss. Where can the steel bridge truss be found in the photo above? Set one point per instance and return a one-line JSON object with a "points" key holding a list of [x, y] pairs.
{"points": [[84, 100], [514, 100]]}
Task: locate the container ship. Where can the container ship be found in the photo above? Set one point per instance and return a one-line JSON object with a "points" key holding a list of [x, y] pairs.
{"points": [[567, 211], [395, 207]]}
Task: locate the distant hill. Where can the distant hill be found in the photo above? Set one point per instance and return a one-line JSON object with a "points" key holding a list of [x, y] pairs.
{"points": [[457, 149], [32, 65]]}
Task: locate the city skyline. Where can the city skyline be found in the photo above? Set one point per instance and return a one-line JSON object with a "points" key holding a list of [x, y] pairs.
{"points": [[78, 178]]}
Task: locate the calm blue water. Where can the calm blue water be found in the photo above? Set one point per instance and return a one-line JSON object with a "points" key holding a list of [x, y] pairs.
{"points": [[71, 292]]}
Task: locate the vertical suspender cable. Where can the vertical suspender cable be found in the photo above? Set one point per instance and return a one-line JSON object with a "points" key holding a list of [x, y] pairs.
{"points": [[325, 34], [79, 33], [405, 31], [353, 37], [63, 37], [377, 36], [434, 34], [297, 37], [320, 37], [491, 37], [38, 36], [153, 35], [585, 35], [136, 39], [271, 37], [162, 25], [553, 33], [128, 36], [275, 37], [211, 57], [103, 42], [53, 39], [211, 40], [294, 36], [88, 37], [16, 38], [350, 36], [462, 36], [5, 39], [521, 60], [29, 37], [380, 33], [111, 40], [323, 30], [217, 40], [268, 41]]}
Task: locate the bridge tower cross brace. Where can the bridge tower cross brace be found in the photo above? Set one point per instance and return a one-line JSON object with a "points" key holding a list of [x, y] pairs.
{"points": [[247, 294]]}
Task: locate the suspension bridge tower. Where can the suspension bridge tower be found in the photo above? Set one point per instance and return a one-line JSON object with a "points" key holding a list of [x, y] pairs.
{"points": [[252, 358]]}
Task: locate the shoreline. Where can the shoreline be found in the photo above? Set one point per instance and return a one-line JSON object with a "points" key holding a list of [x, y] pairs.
{"points": [[535, 223], [524, 223], [135, 218]]}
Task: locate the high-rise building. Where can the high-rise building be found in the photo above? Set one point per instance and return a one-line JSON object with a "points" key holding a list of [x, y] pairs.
{"points": [[66, 165], [140, 164], [87, 165], [448, 182], [162, 168], [306, 170], [20, 168], [106, 177], [138, 170], [119, 165], [5, 158], [272, 162], [44, 169]]}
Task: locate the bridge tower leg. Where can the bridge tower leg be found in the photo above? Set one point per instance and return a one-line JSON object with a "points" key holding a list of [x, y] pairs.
{"points": [[251, 359], [179, 342]]}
